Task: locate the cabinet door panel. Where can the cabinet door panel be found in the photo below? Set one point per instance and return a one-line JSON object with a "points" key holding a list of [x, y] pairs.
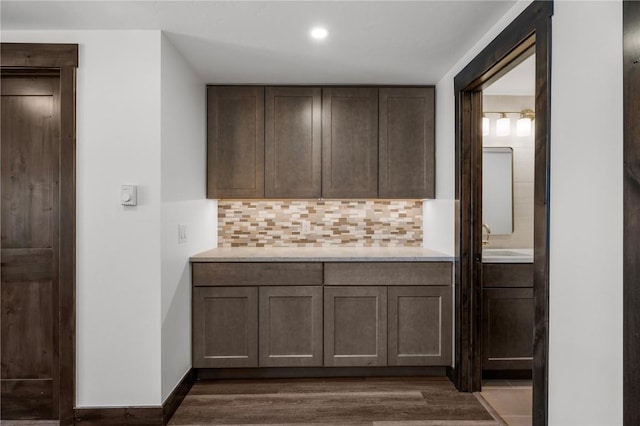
{"points": [[407, 143], [293, 142], [225, 327], [355, 323], [419, 325], [507, 329], [235, 142], [350, 143], [290, 326]]}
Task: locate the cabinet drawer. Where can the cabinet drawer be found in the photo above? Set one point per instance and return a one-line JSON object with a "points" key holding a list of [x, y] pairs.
{"points": [[388, 273], [507, 275], [249, 274]]}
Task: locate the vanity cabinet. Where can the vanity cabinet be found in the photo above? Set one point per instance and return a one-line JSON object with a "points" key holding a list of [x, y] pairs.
{"points": [[235, 142], [355, 324], [290, 326], [507, 316], [293, 141], [225, 327], [407, 143], [312, 142], [321, 314], [349, 142]]}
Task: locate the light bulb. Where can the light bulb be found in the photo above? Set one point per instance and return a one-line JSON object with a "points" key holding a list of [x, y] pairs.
{"points": [[523, 127], [503, 126], [319, 33]]}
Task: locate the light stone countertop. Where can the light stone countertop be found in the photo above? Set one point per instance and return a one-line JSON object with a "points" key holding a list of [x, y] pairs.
{"points": [[322, 254]]}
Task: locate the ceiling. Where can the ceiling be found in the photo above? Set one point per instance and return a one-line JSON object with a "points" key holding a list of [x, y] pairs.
{"points": [[369, 42], [520, 81]]}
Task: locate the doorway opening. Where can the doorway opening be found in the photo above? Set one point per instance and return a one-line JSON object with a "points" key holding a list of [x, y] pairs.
{"points": [[529, 35]]}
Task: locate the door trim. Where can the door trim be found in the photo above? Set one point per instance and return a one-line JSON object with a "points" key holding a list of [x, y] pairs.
{"points": [[530, 30], [631, 188], [62, 58]]}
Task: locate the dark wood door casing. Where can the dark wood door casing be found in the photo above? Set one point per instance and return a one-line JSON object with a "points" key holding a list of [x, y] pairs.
{"points": [[631, 190]]}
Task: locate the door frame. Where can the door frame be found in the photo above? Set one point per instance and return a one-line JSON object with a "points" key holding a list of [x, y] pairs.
{"points": [[530, 30], [62, 59], [631, 268]]}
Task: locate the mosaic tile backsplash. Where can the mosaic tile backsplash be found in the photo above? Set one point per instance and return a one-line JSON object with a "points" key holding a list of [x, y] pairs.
{"points": [[320, 223]]}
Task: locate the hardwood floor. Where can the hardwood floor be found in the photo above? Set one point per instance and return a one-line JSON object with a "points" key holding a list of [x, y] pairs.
{"points": [[353, 401]]}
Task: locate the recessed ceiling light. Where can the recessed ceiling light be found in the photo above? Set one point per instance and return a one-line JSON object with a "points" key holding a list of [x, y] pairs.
{"points": [[319, 33]]}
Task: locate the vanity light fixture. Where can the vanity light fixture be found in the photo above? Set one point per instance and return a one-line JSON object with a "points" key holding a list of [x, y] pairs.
{"points": [[503, 125], [319, 33], [523, 125], [485, 125]]}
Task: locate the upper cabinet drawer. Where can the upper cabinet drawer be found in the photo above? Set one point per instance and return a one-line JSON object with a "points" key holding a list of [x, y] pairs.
{"points": [[388, 273], [235, 142], [256, 274], [407, 143]]}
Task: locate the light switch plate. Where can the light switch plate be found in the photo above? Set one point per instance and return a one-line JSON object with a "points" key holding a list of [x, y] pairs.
{"points": [[129, 195], [182, 234]]}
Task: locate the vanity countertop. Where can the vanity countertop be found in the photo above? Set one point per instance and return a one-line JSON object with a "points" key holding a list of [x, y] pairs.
{"points": [[507, 255], [321, 254]]}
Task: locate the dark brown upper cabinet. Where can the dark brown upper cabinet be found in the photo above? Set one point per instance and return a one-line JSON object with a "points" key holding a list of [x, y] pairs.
{"points": [[407, 143], [235, 142], [349, 142], [293, 142]]}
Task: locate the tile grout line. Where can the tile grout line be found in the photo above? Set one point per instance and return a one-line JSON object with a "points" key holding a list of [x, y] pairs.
{"points": [[490, 409]]}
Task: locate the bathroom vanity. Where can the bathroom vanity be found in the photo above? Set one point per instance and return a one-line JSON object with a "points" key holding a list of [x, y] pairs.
{"points": [[321, 307], [508, 312]]}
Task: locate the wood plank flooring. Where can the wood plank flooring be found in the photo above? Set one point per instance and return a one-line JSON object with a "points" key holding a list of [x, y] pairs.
{"points": [[353, 401]]}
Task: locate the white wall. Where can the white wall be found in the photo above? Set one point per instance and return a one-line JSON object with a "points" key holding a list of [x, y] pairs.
{"points": [[438, 223], [585, 370], [183, 160], [585, 353], [118, 248]]}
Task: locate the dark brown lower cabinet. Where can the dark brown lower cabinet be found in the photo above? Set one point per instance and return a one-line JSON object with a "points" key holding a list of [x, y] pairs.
{"points": [[225, 327], [419, 325], [507, 333], [355, 326], [290, 326]]}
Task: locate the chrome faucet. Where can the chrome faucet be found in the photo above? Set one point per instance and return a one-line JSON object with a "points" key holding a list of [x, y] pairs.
{"points": [[488, 234]]}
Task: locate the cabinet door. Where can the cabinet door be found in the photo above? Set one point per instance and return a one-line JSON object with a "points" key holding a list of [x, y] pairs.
{"points": [[507, 333], [349, 143], [407, 143], [355, 326], [293, 142], [225, 327], [419, 325], [290, 326], [235, 142]]}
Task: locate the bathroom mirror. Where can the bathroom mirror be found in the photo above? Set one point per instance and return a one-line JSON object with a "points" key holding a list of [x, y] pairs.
{"points": [[497, 189]]}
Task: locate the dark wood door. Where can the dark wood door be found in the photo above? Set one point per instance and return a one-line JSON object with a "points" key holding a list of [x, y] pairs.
{"points": [[30, 206], [419, 325], [407, 143], [507, 328], [235, 142], [349, 142], [290, 326], [293, 142], [355, 326]]}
